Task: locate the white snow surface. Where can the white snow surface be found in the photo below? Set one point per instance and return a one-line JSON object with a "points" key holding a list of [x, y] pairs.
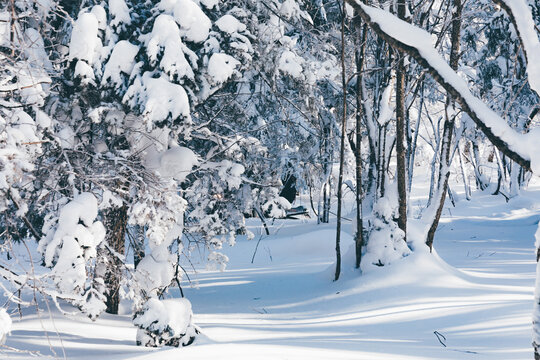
{"points": [[76, 222], [177, 162], [167, 36], [174, 313], [159, 98], [5, 325], [476, 290], [5, 29], [291, 64]]}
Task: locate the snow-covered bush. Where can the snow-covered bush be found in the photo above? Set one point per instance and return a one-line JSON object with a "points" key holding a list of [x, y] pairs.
{"points": [[165, 323], [385, 240], [5, 325]]}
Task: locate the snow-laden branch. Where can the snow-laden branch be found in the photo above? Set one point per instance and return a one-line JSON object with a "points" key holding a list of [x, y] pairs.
{"points": [[417, 43], [521, 16]]}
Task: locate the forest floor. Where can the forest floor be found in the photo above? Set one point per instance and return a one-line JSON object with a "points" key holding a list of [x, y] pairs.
{"points": [[471, 299]]}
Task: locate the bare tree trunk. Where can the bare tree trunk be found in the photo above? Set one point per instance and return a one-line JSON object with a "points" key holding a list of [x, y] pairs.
{"points": [[115, 220], [400, 133], [359, 236], [415, 138], [477, 164], [138, 245], [449, 123], [342, 145], [464, 174]]}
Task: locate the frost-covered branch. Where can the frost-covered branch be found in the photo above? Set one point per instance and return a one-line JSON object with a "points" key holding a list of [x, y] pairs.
{"points": [[417, 43]]}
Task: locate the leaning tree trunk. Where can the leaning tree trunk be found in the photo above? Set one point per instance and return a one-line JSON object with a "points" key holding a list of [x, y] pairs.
{"points": [[400, 133], [446, 148], [115, 221]]}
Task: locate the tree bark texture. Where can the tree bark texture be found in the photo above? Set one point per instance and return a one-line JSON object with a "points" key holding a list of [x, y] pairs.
{"points": [[342, 146], [115, 221], [400, 134], [359, 236]]}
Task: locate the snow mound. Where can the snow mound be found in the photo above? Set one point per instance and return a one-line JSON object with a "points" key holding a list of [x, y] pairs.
{"points": [[165, 323], [5, 325]]}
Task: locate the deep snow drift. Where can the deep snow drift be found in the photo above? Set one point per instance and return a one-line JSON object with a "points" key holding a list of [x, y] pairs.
{"points": [[470, 300]]}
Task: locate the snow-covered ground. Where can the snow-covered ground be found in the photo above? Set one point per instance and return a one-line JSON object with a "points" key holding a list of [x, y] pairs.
{"points": [[470, 300]]}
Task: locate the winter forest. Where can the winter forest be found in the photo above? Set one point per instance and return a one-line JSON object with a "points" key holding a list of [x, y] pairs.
{"points": [[280, 179]]}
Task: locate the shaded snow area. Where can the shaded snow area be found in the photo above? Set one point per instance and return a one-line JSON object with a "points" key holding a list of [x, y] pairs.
{"points": [[472, 299]]}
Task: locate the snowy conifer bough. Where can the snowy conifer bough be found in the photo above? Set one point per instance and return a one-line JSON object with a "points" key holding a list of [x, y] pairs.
{"points": [[522, 148]]}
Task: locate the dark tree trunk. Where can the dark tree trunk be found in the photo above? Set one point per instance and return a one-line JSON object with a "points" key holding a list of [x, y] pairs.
{"points": [[400, 134], [342, 145], [359, 236], [115, 220], [138, 245]]}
